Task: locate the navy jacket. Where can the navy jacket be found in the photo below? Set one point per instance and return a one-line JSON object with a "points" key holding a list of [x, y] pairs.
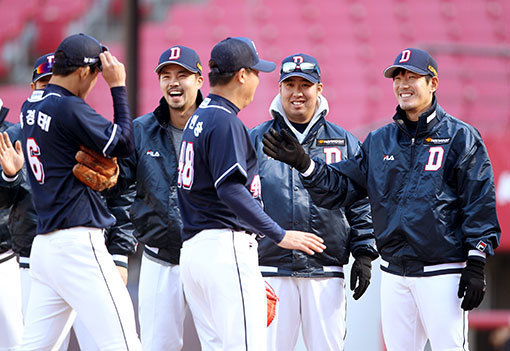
{"points": [[344, 230], [432, 195], [153, 167]]}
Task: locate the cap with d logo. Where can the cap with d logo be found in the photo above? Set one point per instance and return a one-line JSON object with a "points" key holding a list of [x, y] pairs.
{"points": [[414, 60], [300, 65], [182, 56]]}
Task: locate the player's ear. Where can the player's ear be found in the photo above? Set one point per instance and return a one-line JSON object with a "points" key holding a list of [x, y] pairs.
{"points": [[83, 71], [319, 88], [200, 81], [434, 83], [241, 75]]}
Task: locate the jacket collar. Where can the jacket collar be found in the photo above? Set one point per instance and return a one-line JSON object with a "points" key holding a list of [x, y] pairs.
{"points": [[162, 112], [426, 121], [276, 110]]}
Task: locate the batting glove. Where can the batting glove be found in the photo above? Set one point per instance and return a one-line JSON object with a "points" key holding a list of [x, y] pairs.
{"points": [[472, 283], [361, 273], [284, 147]]}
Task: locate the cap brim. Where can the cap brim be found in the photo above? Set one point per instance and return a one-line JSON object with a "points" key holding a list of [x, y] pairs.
{"points": [[299, 74], [41, 76], [264, 66], [158, 68], [388, 72]]}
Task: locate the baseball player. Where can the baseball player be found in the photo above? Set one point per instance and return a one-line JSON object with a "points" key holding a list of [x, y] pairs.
{"points": [[431, 188], [70, 266], [219, 200], [23, 218], [311, 287], [11, 320], [155, 211]]}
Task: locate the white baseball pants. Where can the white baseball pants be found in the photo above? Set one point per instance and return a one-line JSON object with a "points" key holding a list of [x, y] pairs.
{"points": [[11, 319], [161, 306], [71, 271], [225, 290], [82, 334], [414, 309], [317, 305]]}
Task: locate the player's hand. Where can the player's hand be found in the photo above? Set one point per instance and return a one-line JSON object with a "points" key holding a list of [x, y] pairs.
{"points": [[123, 274], [284, 147], [11, 159], [361, 272], [114, 72], [472, 283], [306, 242]]}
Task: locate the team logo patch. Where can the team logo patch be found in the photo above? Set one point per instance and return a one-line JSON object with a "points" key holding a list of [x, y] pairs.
{"points": [[437, 141], [481, 246], [330, 142]]}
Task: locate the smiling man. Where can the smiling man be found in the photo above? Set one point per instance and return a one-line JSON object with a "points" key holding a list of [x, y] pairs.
{"points": [[155, 213], [431, 188], [311, 287]]}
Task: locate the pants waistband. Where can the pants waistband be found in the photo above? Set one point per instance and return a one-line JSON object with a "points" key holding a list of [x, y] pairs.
{"points": [[24, 262], [414, 268], [214, 234], [74, 229], [162, 254], [326, 271]]}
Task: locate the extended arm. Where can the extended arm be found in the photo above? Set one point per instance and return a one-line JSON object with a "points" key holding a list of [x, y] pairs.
{"points": [[238, 198]]}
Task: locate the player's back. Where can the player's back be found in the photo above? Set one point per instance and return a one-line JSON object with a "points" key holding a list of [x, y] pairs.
{"points": [[55, 123], [215, 145]]}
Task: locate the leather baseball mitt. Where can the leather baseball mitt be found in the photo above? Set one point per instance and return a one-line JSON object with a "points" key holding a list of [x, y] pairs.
{"points": [[94, 170], [272, 299]]}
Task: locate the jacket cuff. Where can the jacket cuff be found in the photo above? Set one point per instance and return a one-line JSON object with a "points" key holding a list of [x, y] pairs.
{"points": [[309, 170], [365, 251], [9, 179], [120, 260], [477, 254]]}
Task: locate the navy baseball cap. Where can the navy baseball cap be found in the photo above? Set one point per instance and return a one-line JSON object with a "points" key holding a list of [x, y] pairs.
{"points": [[80, 50], [42, 67], [182, 56], [300, 65], [414, 60], [232, 54]]}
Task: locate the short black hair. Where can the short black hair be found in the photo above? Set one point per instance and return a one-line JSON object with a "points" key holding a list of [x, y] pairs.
{"points": [[218, 78], [399, 70], [60, 68]]}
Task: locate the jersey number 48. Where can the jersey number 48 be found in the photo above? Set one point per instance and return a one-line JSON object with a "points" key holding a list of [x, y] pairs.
{"points": [[185, 179]]}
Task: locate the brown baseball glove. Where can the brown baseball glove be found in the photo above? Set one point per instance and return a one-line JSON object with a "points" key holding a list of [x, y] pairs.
{"points": [[94, 170], [272, 299]]}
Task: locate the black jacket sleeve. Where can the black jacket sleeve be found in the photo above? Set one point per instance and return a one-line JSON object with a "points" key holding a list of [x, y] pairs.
{"points": [[478, 199], [120, 238]]}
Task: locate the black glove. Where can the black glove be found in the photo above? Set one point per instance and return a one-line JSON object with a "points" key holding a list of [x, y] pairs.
{"points": [[472, 283], [361, 271], [284, 147]]}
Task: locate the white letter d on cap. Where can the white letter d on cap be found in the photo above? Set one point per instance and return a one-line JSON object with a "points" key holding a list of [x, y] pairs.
{"points": [[406, 55], [175, 53]]}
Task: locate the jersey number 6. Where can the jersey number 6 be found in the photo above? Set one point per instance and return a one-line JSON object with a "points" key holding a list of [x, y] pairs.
{"points": [[185, 178], [35, 164]]}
